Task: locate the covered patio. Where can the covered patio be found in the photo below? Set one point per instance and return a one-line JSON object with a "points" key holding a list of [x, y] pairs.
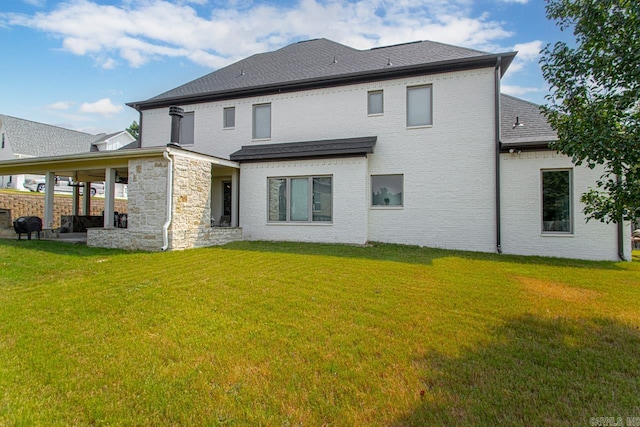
{"points": [[175, 197]]}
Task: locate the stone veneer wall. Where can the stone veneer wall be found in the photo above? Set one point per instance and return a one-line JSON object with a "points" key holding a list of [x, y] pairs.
{"points": [[191, 216], [191, 224]]}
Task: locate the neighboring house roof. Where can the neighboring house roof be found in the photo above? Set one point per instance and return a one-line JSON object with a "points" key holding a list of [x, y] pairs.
{"points": [[321, 63], [533, 131], [34, 139], [346, 147], [104, 137]]}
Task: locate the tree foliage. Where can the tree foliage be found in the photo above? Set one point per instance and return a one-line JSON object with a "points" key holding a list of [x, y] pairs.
{"points": [[134, 129], [594, 103]]}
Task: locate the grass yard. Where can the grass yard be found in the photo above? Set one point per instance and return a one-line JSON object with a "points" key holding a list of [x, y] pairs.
{"points": [[299, 334]]}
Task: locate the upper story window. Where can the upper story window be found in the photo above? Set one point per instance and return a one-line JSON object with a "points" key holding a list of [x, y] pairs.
{"points": [[557, 214], [386, 190], [419, 103], [229, 117], [375, 104], [262, 121], [2, 141], [187, 129]]}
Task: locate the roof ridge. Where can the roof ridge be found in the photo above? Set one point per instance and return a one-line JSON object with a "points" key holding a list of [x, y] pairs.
{"points": [[520, 99]]}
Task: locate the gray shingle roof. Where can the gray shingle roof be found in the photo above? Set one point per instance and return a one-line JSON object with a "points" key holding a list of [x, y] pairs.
{"points": [[323, 60], [40, 140], [307, 149], [535, 130]]}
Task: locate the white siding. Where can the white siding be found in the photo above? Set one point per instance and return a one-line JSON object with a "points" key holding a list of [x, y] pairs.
{"points": [[522, 211]]}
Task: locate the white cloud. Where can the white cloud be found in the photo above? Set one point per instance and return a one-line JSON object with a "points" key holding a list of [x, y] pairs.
{"points": [[103, 107], [37, 3], [527, 54], [60, 105], [519, 90], [141, 31]]}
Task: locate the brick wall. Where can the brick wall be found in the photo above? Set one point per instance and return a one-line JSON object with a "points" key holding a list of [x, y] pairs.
{"points": [[32, 204]]}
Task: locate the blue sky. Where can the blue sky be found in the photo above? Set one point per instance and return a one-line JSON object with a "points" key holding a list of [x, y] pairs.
{"points": [[76, 63]]}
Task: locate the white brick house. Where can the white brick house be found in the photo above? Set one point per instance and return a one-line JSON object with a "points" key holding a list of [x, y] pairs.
{"points": [[441, 136], [321, 142]]}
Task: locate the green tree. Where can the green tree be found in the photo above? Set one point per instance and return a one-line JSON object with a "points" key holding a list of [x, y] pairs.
{"points": [[134, 129], [594, 103]]}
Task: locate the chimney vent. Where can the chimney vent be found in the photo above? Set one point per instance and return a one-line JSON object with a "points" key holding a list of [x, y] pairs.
{"points": [[176, 114]]}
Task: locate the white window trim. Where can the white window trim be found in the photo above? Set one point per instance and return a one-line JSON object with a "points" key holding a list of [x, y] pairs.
{"points": [[571, 232]]}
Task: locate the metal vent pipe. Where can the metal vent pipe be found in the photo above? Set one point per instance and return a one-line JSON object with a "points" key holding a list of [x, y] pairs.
{"points": [[176, 114]]}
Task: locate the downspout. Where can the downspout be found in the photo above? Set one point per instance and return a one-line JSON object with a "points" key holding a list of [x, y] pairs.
{"points": [[497, 153], [165, 227]]}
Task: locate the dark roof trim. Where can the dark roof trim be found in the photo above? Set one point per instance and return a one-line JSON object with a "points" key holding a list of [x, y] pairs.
{"points": [[525, 146], [347, 147], [330, 81]]}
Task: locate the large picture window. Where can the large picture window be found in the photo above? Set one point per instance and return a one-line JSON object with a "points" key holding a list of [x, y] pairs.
{"points": [[419, 106], [556, 201], [300, 199], [262, 121], [386, 190]]}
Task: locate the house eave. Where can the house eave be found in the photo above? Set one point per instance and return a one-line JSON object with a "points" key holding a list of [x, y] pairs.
{"points": [[386, 73]]}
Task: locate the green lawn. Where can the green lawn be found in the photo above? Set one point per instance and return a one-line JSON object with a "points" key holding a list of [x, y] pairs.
{"points": [[300, 334]]}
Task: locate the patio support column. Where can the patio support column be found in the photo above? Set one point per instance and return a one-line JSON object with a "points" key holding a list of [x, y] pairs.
{"points": [[234, 198], [75, 201], [86, 199], [49, 188], [109, 194]]}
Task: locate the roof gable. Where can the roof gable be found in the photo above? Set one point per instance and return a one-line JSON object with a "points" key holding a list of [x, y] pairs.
{"points": [[321, 60]]}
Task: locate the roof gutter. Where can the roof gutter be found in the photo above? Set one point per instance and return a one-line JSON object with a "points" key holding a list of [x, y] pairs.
{"points": [[497, 153]]}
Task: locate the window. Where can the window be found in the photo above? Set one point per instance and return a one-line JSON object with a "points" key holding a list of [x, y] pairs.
{"points": [[2, 141], [262, 121], [375, 103], [187, 125], [556, 201], [229, 117], [419, 106], [300, 199], [386, 190]]}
